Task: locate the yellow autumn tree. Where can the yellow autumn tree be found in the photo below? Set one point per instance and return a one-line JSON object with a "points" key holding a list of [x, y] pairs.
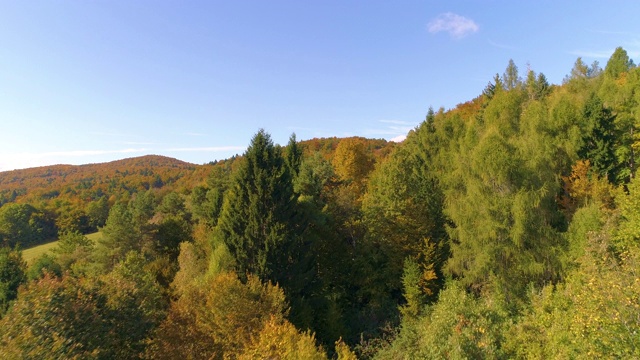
{"points": [[281, 340], [353, 162]]}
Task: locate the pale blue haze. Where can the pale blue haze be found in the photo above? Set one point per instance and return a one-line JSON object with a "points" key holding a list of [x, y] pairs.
{"points": [[92, 81]]}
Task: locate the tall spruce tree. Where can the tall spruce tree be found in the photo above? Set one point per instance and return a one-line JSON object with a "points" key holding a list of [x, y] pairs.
{"points": [[293, 156], [599, 138], [510, 77], [618, 63], [257, 222]]}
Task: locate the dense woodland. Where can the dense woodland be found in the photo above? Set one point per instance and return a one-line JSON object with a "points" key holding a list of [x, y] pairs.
{"points": [[507, 227]]}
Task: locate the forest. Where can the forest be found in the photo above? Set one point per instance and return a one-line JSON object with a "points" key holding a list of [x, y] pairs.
{"points": [[506, 227]]}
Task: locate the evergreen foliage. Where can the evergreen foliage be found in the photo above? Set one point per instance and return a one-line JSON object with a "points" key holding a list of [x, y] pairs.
{"points": [[506, 227], [12, 275], [257, 220], [598, 139]]}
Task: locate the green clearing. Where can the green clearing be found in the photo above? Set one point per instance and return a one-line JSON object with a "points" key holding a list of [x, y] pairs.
{"points": [[29, 255]]}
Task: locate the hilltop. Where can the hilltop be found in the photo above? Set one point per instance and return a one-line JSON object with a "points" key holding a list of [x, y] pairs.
{"points": [[91, 180]]}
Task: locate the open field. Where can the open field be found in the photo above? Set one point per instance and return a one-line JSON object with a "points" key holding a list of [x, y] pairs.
{"points": [[29, 255]]}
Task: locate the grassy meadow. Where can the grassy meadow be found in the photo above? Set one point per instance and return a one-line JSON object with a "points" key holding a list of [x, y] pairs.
{"points": [[30, 254]]}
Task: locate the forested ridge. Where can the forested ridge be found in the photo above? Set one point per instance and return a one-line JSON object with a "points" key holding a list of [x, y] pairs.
{"points": [[507, 227]]}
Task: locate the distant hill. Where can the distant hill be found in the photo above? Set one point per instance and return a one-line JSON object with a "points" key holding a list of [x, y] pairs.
{"points": [[74, 184], [92, 180]]}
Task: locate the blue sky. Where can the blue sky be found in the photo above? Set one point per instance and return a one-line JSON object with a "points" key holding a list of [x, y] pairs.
{"points": [[94, 81]]}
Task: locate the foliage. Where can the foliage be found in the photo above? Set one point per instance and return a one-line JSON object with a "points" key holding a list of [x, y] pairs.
{"points": [[249, 225], [74, 252], [353, 163], [598, 139], [506, 227], [282, 341], [458, 326], [56, 318], [222, 316], [627, 236], [44, 264], [119, 236], [24, 225], [72, 317], [135, 305], [594, 314], [403, 211], [12, 274]]}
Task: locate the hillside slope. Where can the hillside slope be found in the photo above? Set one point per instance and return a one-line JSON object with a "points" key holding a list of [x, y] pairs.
{"points": [[91, 180]]}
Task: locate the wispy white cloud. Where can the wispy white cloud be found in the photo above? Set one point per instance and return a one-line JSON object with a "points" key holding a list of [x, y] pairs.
{"points": [[592, 54], [78, 153], [501, 46], [399, 138], [106, 133], [629, 41], [208, 149], [34, 159], [397, 122], [456, 25], [609, 32], [138, 143], [393, 129], [301, 128], [27, 160]]}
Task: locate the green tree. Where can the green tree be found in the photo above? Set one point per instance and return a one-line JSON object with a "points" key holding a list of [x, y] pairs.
{"points": [[579, 70], [582, 76], [500, 197], [265, 230], [257, 222], [352, 163], [74, 252], [458, 326], [510, 78], [628, 231], [44, 264], [134, 305], [537, 86], [293, 156], [207, 200], [618, 63], [72, 219], [619, 92], [12, 275], [23, 224], [281, 340], [119, 236], [403, 211], [174, 226], [142, 208], [57, 318], [98, 212], [413, 293], [599, 138], [223, 316], [593, 313]]}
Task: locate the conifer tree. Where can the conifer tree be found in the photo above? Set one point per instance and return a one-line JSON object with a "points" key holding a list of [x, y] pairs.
{"points": [[257, 219], [510, 76], [12, 274], [618, 63], [293, 157], [598, 139], [119, 236]]}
